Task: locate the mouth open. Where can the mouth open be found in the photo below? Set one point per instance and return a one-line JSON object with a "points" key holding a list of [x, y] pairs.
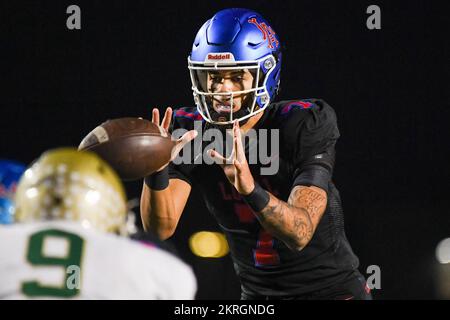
{"points": [[223, 108]]}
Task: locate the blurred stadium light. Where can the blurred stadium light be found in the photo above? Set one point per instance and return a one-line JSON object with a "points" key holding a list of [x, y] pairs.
{"points": [[443, 251], [208, 244]]}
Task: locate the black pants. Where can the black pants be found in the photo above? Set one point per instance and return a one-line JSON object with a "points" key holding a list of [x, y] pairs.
{"points": [[352, 288]]}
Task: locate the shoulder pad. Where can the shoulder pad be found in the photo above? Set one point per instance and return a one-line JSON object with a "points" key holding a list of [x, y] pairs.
{"points": [[188, 113]]}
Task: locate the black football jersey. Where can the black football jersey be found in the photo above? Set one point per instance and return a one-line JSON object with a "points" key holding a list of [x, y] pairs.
{"points": [[264, 264]]}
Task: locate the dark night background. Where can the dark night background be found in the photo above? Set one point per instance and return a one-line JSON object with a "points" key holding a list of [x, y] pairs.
{"points": [[389, 87]]}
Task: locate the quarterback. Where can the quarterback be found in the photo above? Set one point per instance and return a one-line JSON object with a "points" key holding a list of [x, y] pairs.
{"points": [[285, 230]]}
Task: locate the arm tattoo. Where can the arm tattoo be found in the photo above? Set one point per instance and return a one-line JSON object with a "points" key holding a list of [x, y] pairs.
{"points": [[294, 222], [310, 199]]}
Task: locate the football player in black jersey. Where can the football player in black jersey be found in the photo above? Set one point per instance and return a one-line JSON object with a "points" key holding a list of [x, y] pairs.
{"points": [[285, 227]]}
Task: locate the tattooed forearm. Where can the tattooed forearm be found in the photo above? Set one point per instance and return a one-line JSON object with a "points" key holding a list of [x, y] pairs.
{"points": [[312, 199], [294, 222]]}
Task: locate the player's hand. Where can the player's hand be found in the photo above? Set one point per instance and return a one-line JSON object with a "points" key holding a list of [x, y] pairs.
{"points": [[165, 124], [236, 166]]}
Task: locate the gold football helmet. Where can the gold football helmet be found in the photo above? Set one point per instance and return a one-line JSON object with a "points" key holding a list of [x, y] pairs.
{"points": [[72, 185]]}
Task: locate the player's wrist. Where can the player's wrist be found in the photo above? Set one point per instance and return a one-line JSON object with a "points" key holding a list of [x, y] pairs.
{"points": [[257, 199], [158, 180], [248, 188]]}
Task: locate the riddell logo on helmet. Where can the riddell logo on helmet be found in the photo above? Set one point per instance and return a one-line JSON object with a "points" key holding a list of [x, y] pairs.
{"points": [[226, 56], [222, 57]]}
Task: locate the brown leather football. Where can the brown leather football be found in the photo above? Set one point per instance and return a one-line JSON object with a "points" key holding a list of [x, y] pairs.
{"points": [[134, 147]]}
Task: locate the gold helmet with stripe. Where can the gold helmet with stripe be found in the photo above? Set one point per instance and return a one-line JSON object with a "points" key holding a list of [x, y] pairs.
{"points": [[72, 185]]}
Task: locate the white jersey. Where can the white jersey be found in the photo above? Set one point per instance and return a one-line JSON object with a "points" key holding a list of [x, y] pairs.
{"points": [[63, 260]]}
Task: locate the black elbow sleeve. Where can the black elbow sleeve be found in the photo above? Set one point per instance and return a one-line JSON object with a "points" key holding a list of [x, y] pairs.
{"points": [[316, 171]]}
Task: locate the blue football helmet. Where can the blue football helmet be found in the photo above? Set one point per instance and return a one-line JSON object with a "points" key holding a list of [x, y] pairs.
{"points": [[10, 173], [235, 40]]}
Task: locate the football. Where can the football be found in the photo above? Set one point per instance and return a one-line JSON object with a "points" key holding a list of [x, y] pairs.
{"points": [[134, 147]]}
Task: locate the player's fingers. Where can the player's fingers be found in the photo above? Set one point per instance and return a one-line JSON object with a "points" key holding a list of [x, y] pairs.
{"points": [[237, 165], [235, 148], [187, 137], [239, 147], [234, 153], [238, 135], [155, 116], [180, 143], [167, 118], [217, 157]]}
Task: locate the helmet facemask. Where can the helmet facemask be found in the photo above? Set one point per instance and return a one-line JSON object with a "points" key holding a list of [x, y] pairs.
{"points": [[218, 106]]}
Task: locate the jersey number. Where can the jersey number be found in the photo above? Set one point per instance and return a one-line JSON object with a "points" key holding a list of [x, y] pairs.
{"points": [[37, 256], [265, 254]]}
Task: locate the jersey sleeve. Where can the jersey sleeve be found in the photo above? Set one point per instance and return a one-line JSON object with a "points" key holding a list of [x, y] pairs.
{"points": [[315, 136], [179, 172]]}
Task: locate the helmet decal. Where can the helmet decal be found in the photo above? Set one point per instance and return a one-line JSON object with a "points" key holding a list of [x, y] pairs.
{"points": [[267, 32]]}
